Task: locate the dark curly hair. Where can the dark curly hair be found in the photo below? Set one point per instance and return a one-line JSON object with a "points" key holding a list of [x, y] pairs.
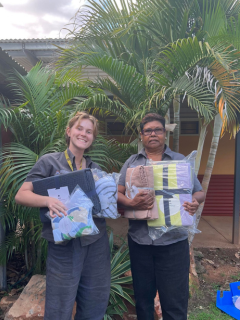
{"points": [[149, 117]]}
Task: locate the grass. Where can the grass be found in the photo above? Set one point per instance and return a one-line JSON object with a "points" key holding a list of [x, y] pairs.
{"points": [[211, 313], [236, 277], [216, 286]]}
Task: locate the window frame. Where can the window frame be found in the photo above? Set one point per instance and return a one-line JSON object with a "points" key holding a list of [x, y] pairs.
{"points": [[189, 120]]}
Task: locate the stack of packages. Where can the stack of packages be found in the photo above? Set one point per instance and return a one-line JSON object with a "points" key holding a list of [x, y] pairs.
{"points": [[171, 183], [86, 194]]}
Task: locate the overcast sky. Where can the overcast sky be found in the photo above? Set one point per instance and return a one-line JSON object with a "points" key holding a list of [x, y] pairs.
{"points": [[27, 19]]}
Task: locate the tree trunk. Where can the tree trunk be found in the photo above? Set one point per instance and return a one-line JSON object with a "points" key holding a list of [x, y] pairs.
{"points": [[176, 132], [167, 120], [201, 141], [193, 276], [140, 144], [208, 172]]}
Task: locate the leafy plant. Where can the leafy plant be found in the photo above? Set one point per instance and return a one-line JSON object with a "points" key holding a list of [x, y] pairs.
{"points": [[120, 264]]}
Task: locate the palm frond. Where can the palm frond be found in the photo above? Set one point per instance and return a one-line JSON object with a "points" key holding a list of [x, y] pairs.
{"points": [[108, 154], [17, 161]]}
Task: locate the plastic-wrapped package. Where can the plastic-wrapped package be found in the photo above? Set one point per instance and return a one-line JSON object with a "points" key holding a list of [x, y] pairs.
{"points": [[67, 180], [236, 301], [78, 222], [106, 185], [173, 185], [138, 179]]}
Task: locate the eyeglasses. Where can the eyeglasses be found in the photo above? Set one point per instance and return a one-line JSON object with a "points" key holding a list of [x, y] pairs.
{"points": [[157, 131]]}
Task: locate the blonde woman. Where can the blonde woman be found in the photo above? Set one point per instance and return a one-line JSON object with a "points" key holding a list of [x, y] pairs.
{"points": [[79, 270]]}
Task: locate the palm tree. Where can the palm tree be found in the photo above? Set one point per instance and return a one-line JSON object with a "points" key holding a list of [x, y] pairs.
{"points": [[132, 40], [37, 122], [210, 163], [126, 58]]}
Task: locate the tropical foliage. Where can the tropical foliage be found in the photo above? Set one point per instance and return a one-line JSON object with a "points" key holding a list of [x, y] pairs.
{"points": [[152, 51], [120, 264]]}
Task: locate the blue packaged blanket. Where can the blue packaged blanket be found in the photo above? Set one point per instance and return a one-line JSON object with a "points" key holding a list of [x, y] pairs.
{"points": [[78, 222], [106, 185]]}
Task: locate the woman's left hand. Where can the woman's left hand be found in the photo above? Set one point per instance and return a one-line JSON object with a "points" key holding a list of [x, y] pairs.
{"points": [[191, 207]]}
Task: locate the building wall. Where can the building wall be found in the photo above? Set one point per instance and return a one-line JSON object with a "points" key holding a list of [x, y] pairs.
{"points": [[219, 199], [224, 162]]}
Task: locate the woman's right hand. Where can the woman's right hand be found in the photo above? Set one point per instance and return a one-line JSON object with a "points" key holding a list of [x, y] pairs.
{"points": [[55, 206], [143, 201]]}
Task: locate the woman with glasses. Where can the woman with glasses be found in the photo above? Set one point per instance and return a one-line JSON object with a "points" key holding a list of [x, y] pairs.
{"points": [[162, 264]]}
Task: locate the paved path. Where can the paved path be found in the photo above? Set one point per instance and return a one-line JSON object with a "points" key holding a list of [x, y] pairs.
{"points": [[216, 233]]}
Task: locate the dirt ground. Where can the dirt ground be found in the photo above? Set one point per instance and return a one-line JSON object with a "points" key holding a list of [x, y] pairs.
{"points": [[17, 278], [216, 268]]}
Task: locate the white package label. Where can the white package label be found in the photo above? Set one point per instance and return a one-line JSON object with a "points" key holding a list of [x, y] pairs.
{"points": [[61, 194]]}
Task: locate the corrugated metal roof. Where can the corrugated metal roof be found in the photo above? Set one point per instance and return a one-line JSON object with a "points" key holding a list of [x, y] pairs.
{"points": [[7, 65], [34, 40], [9, 62], [28, 51], [44, 50]]}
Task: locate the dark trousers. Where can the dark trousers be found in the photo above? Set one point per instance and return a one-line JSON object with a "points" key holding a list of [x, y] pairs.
{"points": [[162, 268], [81, 274]]}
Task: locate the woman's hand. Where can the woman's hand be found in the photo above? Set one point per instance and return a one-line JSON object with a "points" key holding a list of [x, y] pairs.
{"points": [[142, 201], [191, 207], [27, 197], [55, 206]]}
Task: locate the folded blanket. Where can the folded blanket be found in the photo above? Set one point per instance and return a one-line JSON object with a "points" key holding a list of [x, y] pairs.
{"points": [[107, 190], [137, 179], [78, 222], [173, 186]]}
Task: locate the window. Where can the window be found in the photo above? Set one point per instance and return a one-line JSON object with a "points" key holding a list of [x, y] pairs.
{"points": [[115, 128], [189, 127]]}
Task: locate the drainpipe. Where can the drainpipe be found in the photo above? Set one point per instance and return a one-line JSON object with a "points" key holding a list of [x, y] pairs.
{"points": [[3, 271], [235, 232]]}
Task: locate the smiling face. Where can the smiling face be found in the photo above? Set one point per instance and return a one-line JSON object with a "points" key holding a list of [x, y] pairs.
{"points": [[153, 142], [81, 135]]}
